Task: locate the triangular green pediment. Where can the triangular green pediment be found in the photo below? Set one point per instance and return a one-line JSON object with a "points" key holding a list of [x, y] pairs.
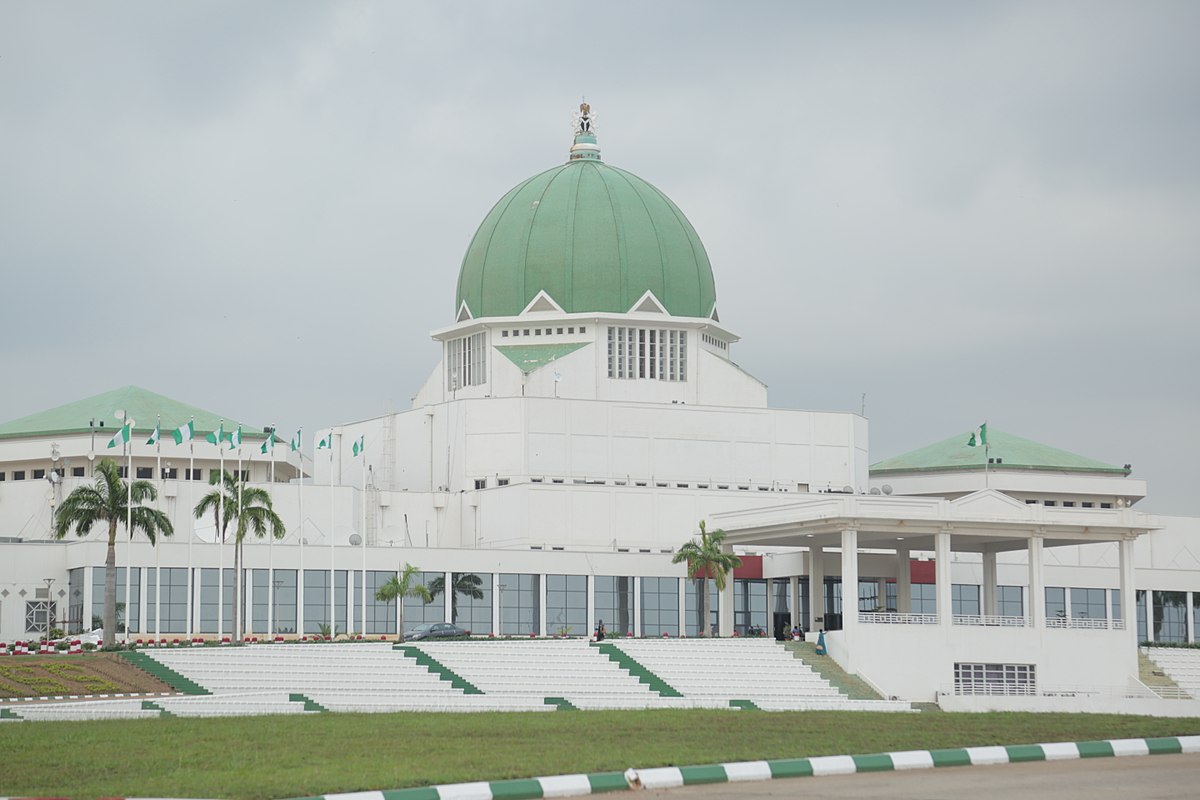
{"points": [[1013, 451], [530, 357], [143, 406]]}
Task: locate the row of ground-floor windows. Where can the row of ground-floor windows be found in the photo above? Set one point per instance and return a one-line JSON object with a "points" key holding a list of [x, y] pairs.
{"points": [[273, 609]]}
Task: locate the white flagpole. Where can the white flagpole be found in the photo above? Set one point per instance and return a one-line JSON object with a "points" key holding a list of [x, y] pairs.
{"points": [[191, 473], [363, 618], [157, 565], [332, 524], [300, 499], [220, 536], [239, 574], [128, 522]]}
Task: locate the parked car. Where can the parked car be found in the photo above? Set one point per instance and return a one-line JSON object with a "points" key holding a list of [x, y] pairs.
{"points": [[436, 630]]}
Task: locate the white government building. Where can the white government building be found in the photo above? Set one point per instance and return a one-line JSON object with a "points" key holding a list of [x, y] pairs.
{"points": [[584, 418]]}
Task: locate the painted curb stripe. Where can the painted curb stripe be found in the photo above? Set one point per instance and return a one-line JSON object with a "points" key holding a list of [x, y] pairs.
{"points": [[668, 777], [748, 771], [912, 759]]}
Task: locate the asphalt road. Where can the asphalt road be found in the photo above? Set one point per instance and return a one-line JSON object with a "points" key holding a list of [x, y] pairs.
{"points": [[1167, 777]]}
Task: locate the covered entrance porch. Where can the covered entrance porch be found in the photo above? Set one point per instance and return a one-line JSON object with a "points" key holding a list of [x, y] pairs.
{"points": [[916, 653]]}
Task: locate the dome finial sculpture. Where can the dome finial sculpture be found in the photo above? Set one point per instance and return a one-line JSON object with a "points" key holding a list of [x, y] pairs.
{"points": [[585, 146]]}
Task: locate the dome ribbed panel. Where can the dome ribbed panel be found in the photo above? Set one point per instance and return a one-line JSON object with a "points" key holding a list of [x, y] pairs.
{"points": [[593, 237]]}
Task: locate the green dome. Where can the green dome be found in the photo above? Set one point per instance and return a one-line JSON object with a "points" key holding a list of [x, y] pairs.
{"points": [[593, 237]]}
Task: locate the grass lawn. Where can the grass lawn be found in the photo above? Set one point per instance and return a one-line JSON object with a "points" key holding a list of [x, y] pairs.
{"points": [[294, 756]]}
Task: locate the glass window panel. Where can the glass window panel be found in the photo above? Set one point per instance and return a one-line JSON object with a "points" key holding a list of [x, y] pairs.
{"points": [[1056, 602], [472, 601], [614, 604], [566, 605], [417, 611], [660, 606]]}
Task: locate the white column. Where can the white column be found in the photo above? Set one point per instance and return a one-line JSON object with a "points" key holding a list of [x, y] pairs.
{"points": [[591, 604], [1128, 601], [682, 584], [989, 583], [849, 578], [448, 598], [816, 589], [542, 606], [637, 606], [903, 581], [496, 603], [1037, 584], [794, 600], [300, 598], [725, 609], [942, 580]]}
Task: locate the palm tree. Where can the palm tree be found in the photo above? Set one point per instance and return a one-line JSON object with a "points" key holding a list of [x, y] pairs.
{"points": [[113, 501], [706, 559], [253, 512], [399, 588], [467, 584]]}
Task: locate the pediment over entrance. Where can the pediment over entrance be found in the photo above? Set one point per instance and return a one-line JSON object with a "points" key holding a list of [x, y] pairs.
{"points": [[990, 503]]}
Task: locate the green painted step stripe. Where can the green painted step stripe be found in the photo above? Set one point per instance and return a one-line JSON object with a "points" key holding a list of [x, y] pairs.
{"points": [[630, 665], [164, 673], [561, 703], [309, 703], [745, 705], [150, 705], [667, 777], [6, 713], [438, 668]]}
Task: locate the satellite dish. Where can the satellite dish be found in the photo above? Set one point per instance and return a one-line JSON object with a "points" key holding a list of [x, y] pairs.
{"points": [[847, 490], [355, 539], [887, 488], [875, 490]]}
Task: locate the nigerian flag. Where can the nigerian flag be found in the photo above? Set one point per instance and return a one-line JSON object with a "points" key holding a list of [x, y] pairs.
{"points": [[217, 436], [978, 436], [358, 447], [154, 437], [326, 442], [235, 438], [295, 443], [121, 437], [184, 433], [268, 444]]}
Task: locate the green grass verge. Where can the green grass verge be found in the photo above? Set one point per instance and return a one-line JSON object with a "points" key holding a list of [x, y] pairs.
{"points": [[288, 756]]}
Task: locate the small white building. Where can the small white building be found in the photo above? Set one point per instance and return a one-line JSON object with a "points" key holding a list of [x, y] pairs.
{"points": [[585, 416]]}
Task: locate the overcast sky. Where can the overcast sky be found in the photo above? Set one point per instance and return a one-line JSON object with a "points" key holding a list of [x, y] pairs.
{"points": [[967, 211]]}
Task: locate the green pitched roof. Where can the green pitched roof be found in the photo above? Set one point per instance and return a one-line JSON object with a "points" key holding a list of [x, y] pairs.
{"points": [[143, 406], [1015, 453], [594, 238], [530, 357]]}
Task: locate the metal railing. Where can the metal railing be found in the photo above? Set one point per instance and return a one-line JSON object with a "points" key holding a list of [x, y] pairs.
{"points": [[990, 620], [1024, 689], [1077, 622], [895, 618]]}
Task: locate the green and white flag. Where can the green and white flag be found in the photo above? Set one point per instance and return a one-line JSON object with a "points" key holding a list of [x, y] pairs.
{"points": [[217, 436], [295, 443], [184, 433], [122, 436], [268, 444], [326, 442], [235, 438], [978, 437], [154, 437], [358, 447]]}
